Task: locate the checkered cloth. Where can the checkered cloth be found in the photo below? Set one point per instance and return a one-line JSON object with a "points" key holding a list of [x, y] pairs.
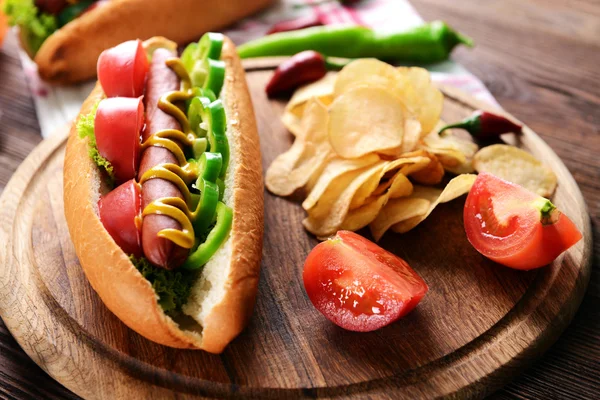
{"points": [[56, 106]]}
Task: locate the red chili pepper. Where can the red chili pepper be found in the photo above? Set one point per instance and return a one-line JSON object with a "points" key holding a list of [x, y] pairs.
{"points": [[304, 67], [295, 24], [486, 125]]}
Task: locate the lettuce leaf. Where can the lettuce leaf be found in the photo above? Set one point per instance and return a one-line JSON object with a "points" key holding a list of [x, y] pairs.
{"points": [[36, 26], [85, 128], [171, 287]]}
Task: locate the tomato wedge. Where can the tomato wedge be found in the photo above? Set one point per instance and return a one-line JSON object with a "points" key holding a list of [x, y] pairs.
{"points": [[358, 285], [122, 69], [515, 227], [117, 126], [120, 213]]}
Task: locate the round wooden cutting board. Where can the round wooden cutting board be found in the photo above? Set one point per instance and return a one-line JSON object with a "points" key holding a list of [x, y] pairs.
{"points": [[479, 325]]}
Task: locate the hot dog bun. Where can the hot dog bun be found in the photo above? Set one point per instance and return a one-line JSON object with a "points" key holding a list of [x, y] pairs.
{"points": [[223, 297], [70, 54]]}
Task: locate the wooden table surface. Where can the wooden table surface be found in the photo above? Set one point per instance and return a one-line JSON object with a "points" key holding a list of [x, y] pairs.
{"points": [[540, 60]]}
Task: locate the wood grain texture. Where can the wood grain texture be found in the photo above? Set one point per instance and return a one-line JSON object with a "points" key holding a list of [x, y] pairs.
{"points": [[479, 325], [538, 58]]}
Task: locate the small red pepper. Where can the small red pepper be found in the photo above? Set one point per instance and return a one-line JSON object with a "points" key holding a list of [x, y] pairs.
{"points": [[486, 125], [295, 24], [304, 67]]}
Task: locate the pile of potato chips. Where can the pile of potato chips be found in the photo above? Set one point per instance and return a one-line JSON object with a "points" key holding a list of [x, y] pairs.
{"points": [[360, 135]]}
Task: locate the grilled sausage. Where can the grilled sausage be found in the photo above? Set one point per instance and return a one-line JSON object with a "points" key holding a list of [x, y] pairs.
{"points": [[159, 251]]}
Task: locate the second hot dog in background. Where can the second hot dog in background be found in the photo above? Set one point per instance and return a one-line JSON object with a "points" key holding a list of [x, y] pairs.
{"points": [[65, 38]]}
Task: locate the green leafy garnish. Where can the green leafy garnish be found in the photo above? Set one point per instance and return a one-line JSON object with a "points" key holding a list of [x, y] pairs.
{"points": [[85, 129], [171, 287], [36, 26]]}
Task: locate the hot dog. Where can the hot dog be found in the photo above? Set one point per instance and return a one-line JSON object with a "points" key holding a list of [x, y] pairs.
{"points": [[65, 38], [178, 237]]}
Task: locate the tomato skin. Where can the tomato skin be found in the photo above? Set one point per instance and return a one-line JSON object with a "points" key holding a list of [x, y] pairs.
{"points": [[122, 69], [117, 126], [503, 222], [120, 213], [358, 285]]}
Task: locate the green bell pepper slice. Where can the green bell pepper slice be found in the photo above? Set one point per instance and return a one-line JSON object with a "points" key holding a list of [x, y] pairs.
{"points": [[209, 120], [209, 166], [207, 205], [214, 240], [200, 92], [208, 74], [209, 46], [201, 60], [221, 186], [195, 112], [199, 147], [217, 124]]}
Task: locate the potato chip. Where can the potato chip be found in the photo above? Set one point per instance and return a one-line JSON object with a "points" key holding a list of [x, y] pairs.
{"points": [[327, 215], [397, 186], [292, 122], [333, 206], [365, 120], [400, 187], [360, 217], [368, 72], [455, 188], [412, 134], [432, 174], [413, 85], [371, 185], [516, 166], [292, 169], [395, 211], [423, 98], [334, 169], [453, 152], [321, 89]]}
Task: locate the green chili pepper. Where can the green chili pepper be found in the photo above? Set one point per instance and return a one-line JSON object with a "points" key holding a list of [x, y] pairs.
{"points": [[214, 240], [427, 43]]}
